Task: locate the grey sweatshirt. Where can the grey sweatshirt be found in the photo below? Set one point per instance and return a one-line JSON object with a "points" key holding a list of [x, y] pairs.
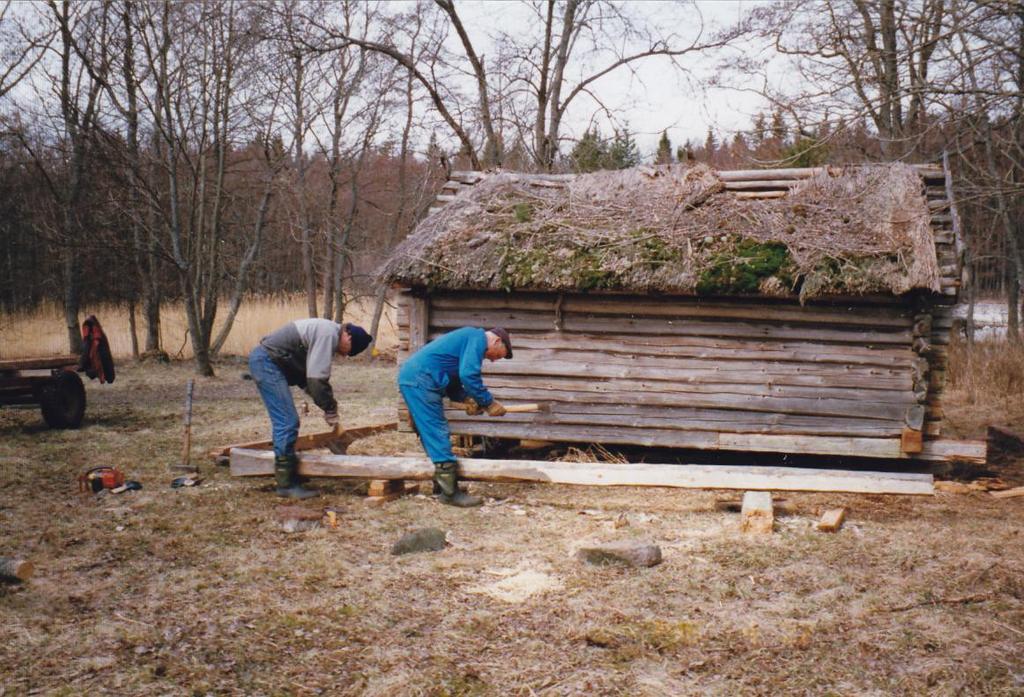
{"points": [[303, 350]]}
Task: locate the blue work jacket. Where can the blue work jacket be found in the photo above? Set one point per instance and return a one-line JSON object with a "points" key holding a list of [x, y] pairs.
{"points": [[448, 360]]}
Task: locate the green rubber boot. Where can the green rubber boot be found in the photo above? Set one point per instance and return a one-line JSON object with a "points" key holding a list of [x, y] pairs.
{"points": [[446, 479], [288, 486]]}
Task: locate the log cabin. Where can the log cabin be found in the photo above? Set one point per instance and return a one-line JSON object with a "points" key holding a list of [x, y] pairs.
{"points": [[801, 311]]}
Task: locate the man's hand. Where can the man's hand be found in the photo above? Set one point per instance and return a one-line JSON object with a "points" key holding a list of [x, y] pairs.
{"points": [[496, 408], [331, 417], [472, 408]]}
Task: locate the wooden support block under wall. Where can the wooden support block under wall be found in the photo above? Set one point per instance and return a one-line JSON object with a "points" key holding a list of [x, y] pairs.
{"points": [[758, 516], [911, 441], [386, 487], [832, 520]]}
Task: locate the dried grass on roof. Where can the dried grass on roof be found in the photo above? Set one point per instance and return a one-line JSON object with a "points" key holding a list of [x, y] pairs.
{"points": [[674, 229]]}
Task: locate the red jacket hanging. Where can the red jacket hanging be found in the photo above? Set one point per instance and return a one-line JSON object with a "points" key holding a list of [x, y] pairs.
{"points": [[96, 360]]}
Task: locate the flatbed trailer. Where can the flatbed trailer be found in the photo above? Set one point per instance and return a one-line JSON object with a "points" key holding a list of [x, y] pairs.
{"points": [[52, 383]]}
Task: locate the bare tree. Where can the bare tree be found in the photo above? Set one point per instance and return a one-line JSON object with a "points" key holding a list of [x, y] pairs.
{"points": [[22, 48], [193, 56], [583, 41], [855, 59]]}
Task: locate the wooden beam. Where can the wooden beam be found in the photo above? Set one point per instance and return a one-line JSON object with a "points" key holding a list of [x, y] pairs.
{"points": [[1009, 493], [246, 463], [949, 449], [38, 363], [310, 441], [419, 323]]}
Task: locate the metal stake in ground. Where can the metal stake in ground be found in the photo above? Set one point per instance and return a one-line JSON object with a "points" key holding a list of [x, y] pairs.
{"points": [[186, 450]]}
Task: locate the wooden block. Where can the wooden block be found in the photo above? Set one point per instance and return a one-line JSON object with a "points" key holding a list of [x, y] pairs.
{"points": [[758, 516], [386, 487], [948, 487], [384, 490], [832, 520], [15, 569], [911, 441], [1009, 493]]}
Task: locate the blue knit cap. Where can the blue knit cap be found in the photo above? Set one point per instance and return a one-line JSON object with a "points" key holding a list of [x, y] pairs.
{"points": [[360, 339]]}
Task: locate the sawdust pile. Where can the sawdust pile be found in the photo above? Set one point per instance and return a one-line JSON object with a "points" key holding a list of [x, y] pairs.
{"points": [[674, 229]]}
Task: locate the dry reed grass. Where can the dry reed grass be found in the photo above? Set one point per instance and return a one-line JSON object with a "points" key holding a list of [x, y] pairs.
{"points": [[40, 332], [985, 385]]}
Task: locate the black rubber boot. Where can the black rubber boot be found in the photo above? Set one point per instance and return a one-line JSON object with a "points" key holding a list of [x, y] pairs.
{"points": [[446, 479], [288, 486]]}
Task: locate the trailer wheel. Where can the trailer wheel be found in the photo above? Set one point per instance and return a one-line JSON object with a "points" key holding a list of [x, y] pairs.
{"points": [[62, 400]]}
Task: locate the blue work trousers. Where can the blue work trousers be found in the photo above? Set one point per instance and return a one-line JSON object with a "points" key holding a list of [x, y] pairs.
{"points": [[424, 400], [277, 398]]}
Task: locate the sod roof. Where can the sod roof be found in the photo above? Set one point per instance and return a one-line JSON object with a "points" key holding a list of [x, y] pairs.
{"points": [[675, 229]]}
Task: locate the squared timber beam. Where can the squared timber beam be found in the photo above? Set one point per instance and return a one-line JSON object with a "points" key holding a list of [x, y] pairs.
{"points": [[247, 463]]}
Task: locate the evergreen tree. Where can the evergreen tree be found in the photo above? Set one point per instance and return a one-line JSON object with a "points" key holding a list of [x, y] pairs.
{"points": [[664, 156], [760, 129], [589, 153], [622, 152], [710, 145], [778, 127]]}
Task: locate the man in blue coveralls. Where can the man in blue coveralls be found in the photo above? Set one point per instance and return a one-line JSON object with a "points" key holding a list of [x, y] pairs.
{"points": [[450, 365], [300, 353]]}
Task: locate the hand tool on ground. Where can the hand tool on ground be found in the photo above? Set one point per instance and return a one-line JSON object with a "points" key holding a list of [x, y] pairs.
{"points": [[509, 408]]}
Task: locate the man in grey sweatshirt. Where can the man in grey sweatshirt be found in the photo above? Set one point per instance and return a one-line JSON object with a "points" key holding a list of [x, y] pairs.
{"points": [[300, 353]]}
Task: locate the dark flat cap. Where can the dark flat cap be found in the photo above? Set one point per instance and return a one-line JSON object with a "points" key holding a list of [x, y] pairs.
{"points": [[503, 335]]}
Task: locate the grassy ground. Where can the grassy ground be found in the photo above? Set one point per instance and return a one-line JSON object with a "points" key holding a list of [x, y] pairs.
{"points": [[198, 591]]}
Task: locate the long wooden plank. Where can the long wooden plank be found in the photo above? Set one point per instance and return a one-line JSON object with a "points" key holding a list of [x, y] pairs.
{"points": [[645, 306], [702, 365], [715, 349], [260, 463], [697, 414], [740, 423], [310, 441], [597, 368], [884, 448], [624, 392], [452, 319]]}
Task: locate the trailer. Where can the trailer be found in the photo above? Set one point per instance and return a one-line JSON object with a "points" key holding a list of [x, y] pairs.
{"points": [[52, 383]]}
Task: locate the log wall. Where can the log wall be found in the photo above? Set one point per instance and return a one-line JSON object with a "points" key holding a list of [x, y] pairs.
{"points": [[772, 375]]}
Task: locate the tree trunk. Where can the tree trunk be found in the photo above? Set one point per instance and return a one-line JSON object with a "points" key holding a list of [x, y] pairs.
{"points": [[132, 329], [71, 300], [1012, 302]]}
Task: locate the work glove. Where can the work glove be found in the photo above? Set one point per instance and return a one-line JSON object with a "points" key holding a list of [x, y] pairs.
{"points": [[472, 408], [496, 408], [331, 417]]}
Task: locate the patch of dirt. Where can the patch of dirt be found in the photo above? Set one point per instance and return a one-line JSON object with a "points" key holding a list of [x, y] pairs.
{"points": [[199, 591]]}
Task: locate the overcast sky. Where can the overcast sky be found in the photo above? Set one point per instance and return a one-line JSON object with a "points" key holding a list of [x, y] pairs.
{"points": [[659, 96]]}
